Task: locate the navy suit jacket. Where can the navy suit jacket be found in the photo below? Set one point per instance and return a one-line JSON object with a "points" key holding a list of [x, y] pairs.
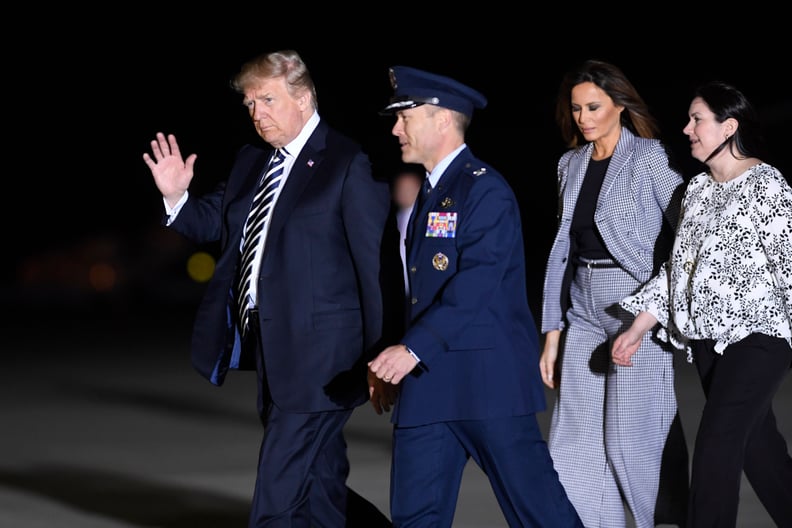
{"points": [[320, 298], [470, 322]]}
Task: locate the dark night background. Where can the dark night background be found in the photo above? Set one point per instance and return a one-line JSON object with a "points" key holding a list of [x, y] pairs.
{"points": [[82, 212], [105, 422]]}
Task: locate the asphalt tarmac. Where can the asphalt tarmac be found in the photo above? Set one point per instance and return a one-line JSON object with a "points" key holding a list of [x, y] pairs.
{"points": [[106, 425]]}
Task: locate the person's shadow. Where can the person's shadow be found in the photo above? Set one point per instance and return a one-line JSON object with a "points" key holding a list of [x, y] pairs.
{"points": [[363, 514]]}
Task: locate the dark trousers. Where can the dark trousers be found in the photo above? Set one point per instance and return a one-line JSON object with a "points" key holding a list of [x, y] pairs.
{"points": [[738, 432], [429, 461], [303, 466]]}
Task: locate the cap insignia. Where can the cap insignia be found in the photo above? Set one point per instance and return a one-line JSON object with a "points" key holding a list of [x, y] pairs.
{"points": [[392, 77]]}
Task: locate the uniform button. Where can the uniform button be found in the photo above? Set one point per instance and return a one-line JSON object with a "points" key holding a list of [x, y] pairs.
{"points": [[414, 300], [413, 269]]}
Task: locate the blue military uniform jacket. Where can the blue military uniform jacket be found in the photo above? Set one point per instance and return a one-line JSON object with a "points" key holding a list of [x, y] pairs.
{"points": [[469, 318]]}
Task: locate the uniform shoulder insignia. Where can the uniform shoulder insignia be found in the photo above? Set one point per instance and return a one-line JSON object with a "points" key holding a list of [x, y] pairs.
{"points": [[479, 172]]}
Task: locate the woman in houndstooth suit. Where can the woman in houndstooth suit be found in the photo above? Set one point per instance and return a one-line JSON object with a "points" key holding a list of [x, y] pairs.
{"points": [[618, 207]]}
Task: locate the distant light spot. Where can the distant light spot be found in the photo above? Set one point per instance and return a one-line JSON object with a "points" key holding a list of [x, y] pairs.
{"points": [[102, 276], [200, 266]]}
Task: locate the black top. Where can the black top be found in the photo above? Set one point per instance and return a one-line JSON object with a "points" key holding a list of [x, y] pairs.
{"points": [[583, 232]]}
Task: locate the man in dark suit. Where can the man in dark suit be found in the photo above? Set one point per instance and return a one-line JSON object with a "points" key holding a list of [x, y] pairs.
{"points": [[296, 293], [468, 365]]}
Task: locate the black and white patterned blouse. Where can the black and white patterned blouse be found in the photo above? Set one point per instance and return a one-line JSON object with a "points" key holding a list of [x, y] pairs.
{"points": [[730, 272]]}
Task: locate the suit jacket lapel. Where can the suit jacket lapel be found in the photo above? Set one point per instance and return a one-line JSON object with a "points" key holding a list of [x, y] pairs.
{"points": [[305, 166], [240, 206], [578, 165], [621, 154]]}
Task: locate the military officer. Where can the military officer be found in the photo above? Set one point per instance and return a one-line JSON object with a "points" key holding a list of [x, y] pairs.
{"points": [[467, 367]]}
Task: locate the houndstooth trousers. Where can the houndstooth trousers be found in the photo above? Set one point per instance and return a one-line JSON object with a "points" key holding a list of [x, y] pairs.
{"points": [[610, 424]]}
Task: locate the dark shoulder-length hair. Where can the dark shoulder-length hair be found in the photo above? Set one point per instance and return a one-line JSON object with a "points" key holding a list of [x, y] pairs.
{"points": [[727, 102], [612, 81]]}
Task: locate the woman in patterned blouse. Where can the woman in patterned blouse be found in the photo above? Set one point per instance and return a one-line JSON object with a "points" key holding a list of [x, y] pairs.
{"points": [[726, 297]]}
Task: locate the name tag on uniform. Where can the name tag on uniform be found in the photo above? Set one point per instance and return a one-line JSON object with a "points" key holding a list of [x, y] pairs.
{"points": [[441, 224]]}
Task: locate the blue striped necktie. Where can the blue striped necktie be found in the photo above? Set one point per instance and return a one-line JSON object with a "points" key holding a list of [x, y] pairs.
{"points": [[254, 229]]}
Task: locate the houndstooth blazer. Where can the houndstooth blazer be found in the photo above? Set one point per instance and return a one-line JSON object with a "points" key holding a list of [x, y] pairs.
{"points": [[640, 194]]}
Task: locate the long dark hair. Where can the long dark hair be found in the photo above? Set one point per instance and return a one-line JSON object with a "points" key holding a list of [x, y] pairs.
{"points": [[612, 81]]}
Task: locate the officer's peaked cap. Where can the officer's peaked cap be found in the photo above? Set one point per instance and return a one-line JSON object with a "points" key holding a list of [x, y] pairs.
{"points": [[413, 87]]}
